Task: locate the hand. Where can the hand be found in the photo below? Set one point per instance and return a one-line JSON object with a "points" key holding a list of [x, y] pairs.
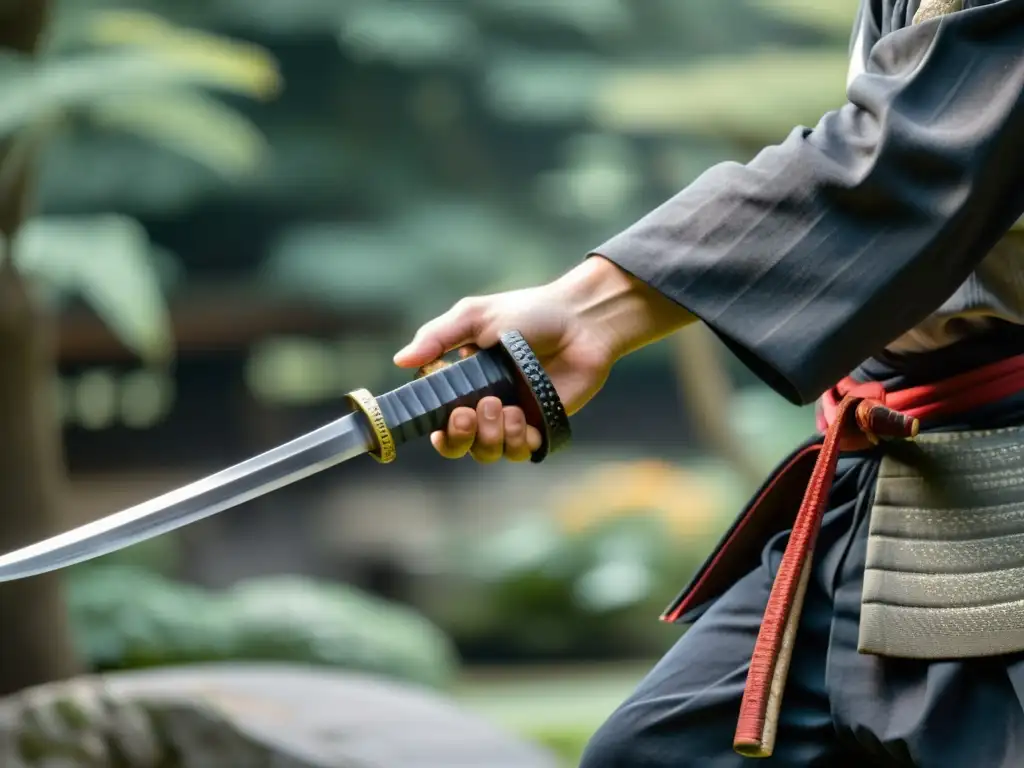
{"points": [[578, 326]]}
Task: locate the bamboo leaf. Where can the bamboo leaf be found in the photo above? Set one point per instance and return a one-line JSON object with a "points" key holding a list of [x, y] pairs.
{"points": [[283, 18], [250, 68], [549, 88], [594, 17], [108, 262], [75, 82], [835, 17], [763, 95], [409, 35], [190, 123]]}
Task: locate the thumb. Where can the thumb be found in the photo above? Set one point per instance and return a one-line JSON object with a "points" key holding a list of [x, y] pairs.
{"points": [[456, 327]]}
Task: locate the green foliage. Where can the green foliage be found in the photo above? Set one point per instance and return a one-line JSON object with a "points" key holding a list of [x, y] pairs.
{"points": [[566, 742], [740, 97], [136, 72], [126, 618], [537, 590], [770, 427], [557, 706], [190, 123], [107, 261], [456, 148], [621, 105], [447, 148], [358, 265], [40, 91], [161, 556], [407, 37], [833, 18], [126, 71]]}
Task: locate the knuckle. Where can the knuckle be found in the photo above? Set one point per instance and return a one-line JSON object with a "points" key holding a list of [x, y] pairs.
{"points": [[489, 440], [515, 424], [429, 329], [470, 306], [462, 424], [515, 440]]}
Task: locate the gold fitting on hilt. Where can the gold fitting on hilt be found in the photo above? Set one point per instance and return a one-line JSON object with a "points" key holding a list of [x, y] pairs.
{"points": [[466, 350], [386, 451], [429, 368]]}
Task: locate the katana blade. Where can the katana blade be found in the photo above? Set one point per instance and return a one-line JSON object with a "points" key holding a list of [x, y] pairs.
{"points": [[332, 444], [509, 371]]}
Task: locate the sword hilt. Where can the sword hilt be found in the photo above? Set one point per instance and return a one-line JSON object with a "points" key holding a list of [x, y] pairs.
{"points": [[509, 371]]}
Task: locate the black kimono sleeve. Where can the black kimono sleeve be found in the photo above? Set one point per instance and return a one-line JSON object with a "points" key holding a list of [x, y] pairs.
{"points": [[824, 249]]}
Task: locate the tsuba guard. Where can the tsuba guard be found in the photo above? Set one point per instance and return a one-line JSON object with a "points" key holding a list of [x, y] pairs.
{"points": [[537, 397]]}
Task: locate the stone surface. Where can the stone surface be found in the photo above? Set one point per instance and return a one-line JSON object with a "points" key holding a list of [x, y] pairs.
{"points": [[248, 716]]}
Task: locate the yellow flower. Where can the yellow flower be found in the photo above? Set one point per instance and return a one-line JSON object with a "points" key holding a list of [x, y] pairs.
{"points": [[687, 504]]}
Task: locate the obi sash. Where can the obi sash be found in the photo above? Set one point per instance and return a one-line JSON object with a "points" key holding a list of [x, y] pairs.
{"points": [[853, 416]]}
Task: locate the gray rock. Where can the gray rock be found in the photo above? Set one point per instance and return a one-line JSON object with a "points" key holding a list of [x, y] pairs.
{"points": [[248, 716]]}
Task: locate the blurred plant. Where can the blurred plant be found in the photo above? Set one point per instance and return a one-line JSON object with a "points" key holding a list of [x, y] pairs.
{"points": [[589, 575], [598, 93], [161, 556], [455, 148], [707, 392], [568, 743], [126, 618], [689, 502], [488, 143], [131, 72], [768, 426], [125, 71], [831, 18], [536, 591], [527, 131]]}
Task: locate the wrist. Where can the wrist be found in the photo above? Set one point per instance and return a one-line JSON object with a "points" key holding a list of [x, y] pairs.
{"points": [[622, 309]]}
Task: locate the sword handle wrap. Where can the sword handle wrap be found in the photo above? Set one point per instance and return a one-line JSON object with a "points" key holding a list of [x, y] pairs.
{"points": [[509, 371]]}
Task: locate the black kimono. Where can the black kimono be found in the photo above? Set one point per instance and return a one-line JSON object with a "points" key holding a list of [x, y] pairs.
{"points": [[885, 234]]}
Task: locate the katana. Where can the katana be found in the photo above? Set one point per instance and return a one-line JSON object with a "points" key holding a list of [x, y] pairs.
{"points": [[376, 426]]}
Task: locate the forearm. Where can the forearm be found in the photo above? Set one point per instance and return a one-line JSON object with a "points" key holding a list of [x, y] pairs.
{"points": [[624, 309]]}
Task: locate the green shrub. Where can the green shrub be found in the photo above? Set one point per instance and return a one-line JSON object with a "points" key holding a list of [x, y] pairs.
{"points": [[537, 591], [566, 743], [125, 617]]}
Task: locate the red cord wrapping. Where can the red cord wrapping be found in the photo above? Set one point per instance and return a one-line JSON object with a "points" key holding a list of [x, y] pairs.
{"points": [[852, 416]]}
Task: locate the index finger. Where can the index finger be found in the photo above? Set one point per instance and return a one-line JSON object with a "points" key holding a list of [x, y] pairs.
{"points": [[456, 327]]}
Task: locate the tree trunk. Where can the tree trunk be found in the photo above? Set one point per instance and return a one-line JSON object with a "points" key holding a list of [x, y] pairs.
{"points": [[35, 641], [706, 392]]}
